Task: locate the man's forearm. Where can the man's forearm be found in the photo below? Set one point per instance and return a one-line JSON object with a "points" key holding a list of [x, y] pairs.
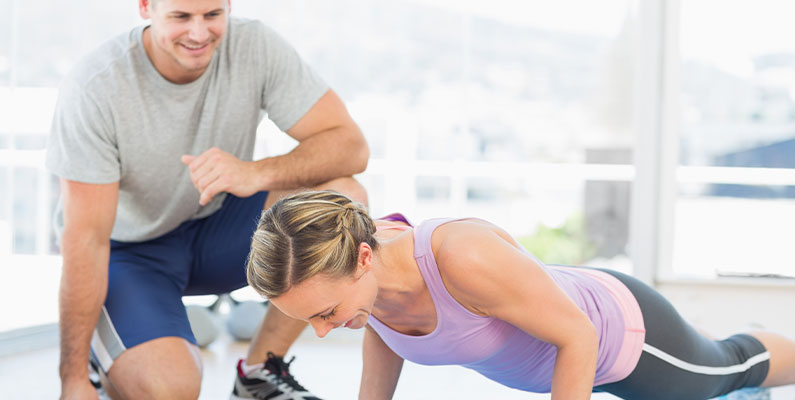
{"points": [[325, 156], [84, 282]]}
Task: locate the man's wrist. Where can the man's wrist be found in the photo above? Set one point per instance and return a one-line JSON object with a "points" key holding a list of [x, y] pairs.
{"points": [[70, 375], [262, 175]]}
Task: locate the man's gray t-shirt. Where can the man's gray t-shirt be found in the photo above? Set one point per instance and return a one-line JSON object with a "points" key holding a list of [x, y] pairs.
{"points": [[118, 120]]}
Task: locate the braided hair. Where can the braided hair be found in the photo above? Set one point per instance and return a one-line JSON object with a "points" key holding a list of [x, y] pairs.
{"points": [[304, 235]]}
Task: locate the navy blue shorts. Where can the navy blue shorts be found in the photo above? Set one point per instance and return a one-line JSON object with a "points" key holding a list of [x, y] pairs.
{"points": [[146, 280]]}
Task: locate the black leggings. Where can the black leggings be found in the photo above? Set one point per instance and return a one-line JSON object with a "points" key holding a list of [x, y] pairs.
{"points": [[678, 363]]}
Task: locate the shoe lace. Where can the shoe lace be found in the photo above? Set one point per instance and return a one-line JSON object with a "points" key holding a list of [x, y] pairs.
{"points": [[282, 371], [93, 376]]}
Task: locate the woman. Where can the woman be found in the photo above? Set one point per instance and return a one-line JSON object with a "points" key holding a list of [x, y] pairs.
{"points": [[464, 292]]}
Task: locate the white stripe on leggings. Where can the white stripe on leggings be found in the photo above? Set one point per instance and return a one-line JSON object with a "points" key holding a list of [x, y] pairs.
{"points": [[701, 369]]}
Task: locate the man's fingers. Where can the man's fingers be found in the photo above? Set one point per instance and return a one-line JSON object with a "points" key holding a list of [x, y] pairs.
{"points": [[210, 192], [201, 159], [202, 181], [207, 172], [205, 168], [194, 179]]}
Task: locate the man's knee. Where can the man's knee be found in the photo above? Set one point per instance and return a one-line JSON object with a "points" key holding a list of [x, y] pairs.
{"points": [[347, 186], [171, 386], [164, 368]]}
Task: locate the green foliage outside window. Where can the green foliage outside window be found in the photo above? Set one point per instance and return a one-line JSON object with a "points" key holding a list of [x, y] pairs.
{"points": [[567, 244]]}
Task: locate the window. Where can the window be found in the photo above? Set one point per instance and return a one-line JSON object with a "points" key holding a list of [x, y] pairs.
{"points": [[519, 112], [32, 63], [737, 139]]}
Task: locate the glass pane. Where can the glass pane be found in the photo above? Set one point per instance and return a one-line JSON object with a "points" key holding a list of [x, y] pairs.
{"points": [[738, 84], [42, 57], [542, 91], [32, 294], [486, 190], [433, 188], [374, 184], [731, 229], [5, 212], [46, 55], [396, 55], [25, 181], [30, 141], [560, 221], [6, 44], [737, 111], [514, 81]]}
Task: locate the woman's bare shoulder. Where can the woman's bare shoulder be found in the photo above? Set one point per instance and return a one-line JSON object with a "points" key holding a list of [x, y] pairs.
{"points": [[471, 255], [458, 236]]}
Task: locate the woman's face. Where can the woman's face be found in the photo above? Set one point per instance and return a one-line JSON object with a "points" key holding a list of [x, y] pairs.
{"points": [[328, 303]]}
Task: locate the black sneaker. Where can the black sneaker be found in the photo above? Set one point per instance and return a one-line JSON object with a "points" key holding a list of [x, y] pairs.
{"points": [[272, 382], [93, 377]]}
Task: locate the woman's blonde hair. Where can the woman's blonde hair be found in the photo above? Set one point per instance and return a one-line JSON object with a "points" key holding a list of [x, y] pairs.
{"points": [[306, 234]]}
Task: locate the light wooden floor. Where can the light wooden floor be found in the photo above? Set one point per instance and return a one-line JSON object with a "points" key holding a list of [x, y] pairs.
{"points": [[330, 368]]}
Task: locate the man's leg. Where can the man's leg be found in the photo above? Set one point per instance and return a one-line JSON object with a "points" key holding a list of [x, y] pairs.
{"points": [[163, 368], [142, 343], [278, 332]]}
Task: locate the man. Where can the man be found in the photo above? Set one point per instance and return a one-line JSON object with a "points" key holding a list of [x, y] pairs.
{"points": [[152, 138]]}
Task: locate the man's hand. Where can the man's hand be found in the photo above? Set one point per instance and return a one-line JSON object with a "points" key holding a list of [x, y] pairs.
{"points": [[78, 390], [216, 171]]}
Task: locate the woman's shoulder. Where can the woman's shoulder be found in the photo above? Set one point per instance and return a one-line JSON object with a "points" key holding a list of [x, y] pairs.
{"points": [[466, 246], [462, 241], [465, 252], [465, 236]]}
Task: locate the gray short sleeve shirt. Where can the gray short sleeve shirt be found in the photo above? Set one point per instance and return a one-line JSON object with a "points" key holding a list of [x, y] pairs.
{"points": [[118, 120]]}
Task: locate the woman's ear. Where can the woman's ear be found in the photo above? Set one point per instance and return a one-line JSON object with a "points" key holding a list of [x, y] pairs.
{"points": [[364, 261]]}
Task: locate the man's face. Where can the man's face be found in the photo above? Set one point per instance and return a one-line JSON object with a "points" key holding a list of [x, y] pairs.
{"points": [[183, 35]]}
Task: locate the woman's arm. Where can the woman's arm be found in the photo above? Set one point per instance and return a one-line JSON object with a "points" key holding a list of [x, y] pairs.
{"points": [[380, 368], [489, 275]]}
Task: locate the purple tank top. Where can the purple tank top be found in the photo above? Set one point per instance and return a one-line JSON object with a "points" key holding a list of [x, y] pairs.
{"points": [[493, 347]]}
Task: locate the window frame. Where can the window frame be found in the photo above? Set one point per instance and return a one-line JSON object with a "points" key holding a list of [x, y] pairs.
{"points": [[657, 129]]}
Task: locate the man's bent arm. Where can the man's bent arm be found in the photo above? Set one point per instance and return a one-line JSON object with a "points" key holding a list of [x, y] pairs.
{"points": [[89, 213], [331, 145]]}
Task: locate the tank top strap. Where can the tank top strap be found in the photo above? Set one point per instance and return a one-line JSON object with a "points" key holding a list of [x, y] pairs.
{"points": [[395, 227], [422, 236], [423, 254], [396, 217]]}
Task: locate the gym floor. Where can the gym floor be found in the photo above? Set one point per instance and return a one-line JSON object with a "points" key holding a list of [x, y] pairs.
{"points": [[331, 368]]}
